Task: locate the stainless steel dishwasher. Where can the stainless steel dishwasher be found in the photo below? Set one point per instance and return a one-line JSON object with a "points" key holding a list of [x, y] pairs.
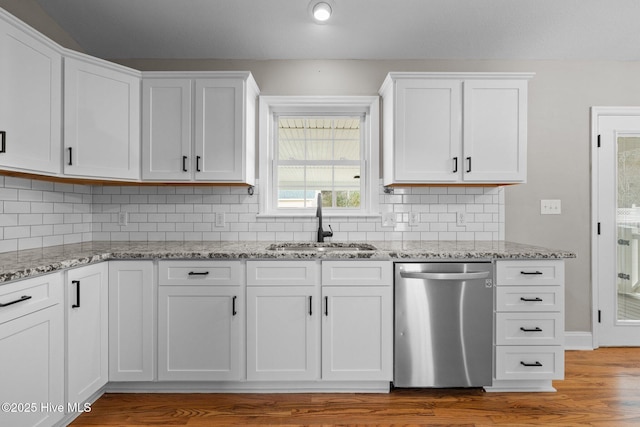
{"points": [[443, 324]]}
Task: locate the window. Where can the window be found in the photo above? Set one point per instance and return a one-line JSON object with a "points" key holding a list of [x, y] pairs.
{"points": [[311, 146]]}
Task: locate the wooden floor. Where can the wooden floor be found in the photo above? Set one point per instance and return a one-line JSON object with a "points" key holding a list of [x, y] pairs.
{"points": [[602, 388]]}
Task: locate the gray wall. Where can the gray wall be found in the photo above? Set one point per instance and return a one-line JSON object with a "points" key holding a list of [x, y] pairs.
{"points": [[560, 96]]}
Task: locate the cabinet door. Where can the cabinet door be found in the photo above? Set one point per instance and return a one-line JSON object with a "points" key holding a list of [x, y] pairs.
{"points": [[30, 104], [282, 333], [219, 139], [87, 331], [32, 373], [101, 121], [166, 130], [199, 333], [427, 131], [357, 325], [495, 131], [132, 303]]}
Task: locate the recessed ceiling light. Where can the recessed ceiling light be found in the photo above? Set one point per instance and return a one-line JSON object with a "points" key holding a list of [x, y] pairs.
{"points": [[322, 11]]}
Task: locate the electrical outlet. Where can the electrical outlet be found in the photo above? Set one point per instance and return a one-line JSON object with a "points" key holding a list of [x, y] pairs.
{"points": [[389, 219], [550, 207], [414, 218], [461, 219], [220, 222], [123, 218]]}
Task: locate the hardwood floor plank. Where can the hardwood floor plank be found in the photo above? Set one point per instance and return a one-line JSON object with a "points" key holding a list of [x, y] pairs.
{"points": [[601, 389]]}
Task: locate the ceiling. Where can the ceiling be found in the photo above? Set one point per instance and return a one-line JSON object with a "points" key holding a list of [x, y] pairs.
{"points": [[358, 29]]}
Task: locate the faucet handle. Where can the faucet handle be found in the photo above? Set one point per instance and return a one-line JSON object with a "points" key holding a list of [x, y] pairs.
{"points": [[329, 233]]}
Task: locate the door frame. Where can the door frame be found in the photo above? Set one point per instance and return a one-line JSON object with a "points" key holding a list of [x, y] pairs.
{"points": [[596, 113]]}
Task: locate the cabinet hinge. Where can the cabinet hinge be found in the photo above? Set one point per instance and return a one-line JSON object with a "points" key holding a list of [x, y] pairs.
{"points": [[599, 316], [598, 141]]}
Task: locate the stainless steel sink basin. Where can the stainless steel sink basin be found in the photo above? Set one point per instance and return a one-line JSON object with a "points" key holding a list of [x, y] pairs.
{"points": [[321, 247]]}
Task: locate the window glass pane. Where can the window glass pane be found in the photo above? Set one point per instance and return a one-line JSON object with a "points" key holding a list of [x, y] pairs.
{"points": [[347, 138], [348, 198], [295, 198], [320, 149], [290, 176], [347, 176], [291, 139], [319, 177]]}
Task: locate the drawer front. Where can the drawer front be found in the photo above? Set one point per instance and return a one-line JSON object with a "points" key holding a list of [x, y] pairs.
{"points": [[283, 273], [216, 273], [529, 298], [357, 273], [29, 295], [509, 273], [529, 329], [529, 363]]}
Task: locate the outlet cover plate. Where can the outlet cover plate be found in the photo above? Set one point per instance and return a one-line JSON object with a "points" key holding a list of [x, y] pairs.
{"points": [[388, 219]]}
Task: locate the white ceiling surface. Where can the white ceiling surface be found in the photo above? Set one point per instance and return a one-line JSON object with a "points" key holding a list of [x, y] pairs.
{"points": [[358, 29]]}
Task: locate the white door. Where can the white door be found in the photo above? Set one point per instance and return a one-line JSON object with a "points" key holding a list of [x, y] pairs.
{"points": [[219, 139], [87, 331], [427, 139], [495, 131], [616, 211], [101, 121], [166, 130], [30, 102], [357, 333], [282, 333], [199, 333]]}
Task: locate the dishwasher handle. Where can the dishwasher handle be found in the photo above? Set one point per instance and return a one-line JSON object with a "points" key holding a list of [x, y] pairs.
{"points": [[445, 276]]}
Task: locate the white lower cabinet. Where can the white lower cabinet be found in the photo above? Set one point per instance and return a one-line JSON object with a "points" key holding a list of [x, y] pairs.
{"points": [[86, 302], [32, 352], [200, 321], [132, 311]]}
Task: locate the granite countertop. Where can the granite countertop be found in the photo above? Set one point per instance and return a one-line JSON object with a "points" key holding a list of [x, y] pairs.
{"points": [[33, 262]]}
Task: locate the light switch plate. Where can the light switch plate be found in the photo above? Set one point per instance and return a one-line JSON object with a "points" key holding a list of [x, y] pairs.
{"points": [[388, 219], [220, 222], [550, 207], [414, 218], [123, 218]]}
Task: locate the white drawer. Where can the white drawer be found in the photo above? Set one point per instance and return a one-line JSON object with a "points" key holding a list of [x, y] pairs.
{"points": [[509, 273], [30, 295], [222, 273], [529, 298], [357, 273], [283, 273], [529, 363], [529, 329]]}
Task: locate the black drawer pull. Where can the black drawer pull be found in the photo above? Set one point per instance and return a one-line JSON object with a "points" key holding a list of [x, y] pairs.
{"points": [[70, 156], [197, 273], [326, 306], [77, 283], [22, 298], [536, 299], [536, 364], [3, 141], [531, 273], [469, 168], [536, 329], [310, 306], [184, 163], [233, 306], [455, 165], [198, 164]]}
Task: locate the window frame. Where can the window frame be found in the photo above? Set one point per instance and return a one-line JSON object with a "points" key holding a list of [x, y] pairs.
{"points": [[270, 107]]}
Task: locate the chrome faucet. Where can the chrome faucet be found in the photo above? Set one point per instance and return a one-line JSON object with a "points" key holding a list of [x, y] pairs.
{"points": [[321, 233]]}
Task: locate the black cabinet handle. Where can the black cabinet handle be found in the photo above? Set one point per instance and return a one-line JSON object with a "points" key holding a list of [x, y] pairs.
{"points": [[455, 164], [536, 329], [77, 283], [70, 156], [538, 364], [233, 306], [326, 306], [469, 168], [3, 141], [536, 299], [184, 163], [22, 298], [198, 273], [197, 163], [531, 273], [310, 306]]}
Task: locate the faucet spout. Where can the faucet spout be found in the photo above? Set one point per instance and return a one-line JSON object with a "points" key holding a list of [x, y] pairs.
{"points": [[321, 233]]}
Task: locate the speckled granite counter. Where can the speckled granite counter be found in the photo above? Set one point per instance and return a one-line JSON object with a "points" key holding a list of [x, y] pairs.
{"points": [[33, 262]]}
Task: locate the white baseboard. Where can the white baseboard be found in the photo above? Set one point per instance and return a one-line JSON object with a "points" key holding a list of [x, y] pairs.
{"points": [[578, 341]]}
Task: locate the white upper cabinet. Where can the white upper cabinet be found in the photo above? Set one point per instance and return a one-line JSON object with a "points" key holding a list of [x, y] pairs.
{"points": [[199, 127], [455, 128], [101, 119], [30, 100]]}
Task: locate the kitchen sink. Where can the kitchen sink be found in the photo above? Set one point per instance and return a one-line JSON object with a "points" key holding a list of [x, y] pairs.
{"points": [[321, 247]]}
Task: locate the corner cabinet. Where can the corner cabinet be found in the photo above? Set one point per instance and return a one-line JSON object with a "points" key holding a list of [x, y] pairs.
{"points": [[101, 119], [30, 104], [199, 127], [454, 128]]}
